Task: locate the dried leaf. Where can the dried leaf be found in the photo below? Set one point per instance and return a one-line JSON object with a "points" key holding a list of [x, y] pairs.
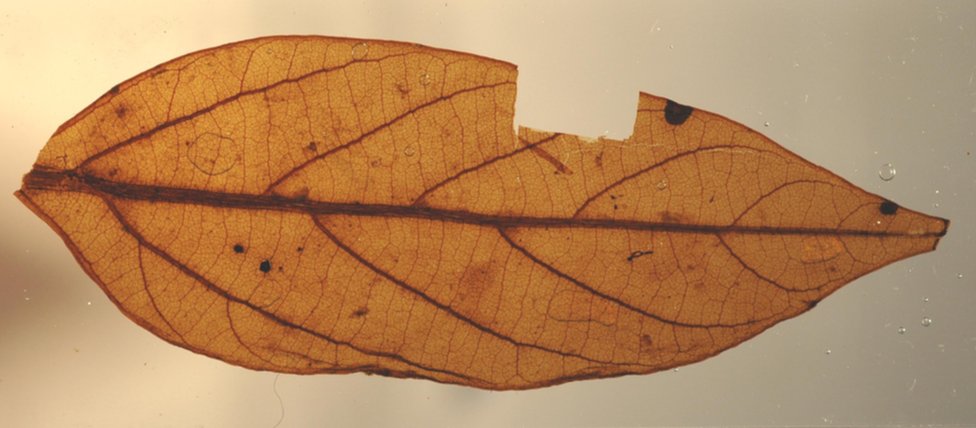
{"points": [[322, 205]]}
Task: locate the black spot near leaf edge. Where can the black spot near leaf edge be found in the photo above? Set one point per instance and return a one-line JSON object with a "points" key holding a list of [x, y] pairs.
{"points": [[677, 114], [888, 208]]}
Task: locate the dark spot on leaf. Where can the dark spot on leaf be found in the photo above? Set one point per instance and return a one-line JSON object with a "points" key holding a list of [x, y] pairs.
{"points": [[300, 249], [114, 90], [238, 248], [402, 88], [302, 193], [888, 208], [676, 114], [361, 312], [121, 111], [813, 303], [646, 339], [312, 147], [265, 266]]}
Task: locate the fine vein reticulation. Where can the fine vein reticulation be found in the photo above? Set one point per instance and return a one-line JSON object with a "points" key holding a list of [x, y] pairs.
{"points": [[328, 205]]}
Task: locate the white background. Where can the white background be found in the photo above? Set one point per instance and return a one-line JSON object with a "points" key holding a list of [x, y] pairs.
{"points": [[847, 85]]}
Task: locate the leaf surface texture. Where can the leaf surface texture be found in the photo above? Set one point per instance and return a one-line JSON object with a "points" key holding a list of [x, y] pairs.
{"points": [[325, 205]]}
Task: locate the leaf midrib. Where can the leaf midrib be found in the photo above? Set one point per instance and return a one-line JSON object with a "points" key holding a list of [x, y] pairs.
{"points": [[45, 179]]}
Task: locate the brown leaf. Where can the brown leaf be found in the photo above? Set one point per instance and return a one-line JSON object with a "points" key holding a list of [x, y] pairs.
{"points": [[312, 204]]}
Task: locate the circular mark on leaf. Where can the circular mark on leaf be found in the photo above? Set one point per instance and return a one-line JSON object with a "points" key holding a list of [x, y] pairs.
{"points": [[238, 248], [265, 266], [889, 208], [213, 154], [359, 50]]}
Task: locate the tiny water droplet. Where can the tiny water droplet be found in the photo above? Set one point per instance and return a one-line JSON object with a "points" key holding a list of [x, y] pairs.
{"points": [[89, 303], [959, 276], [925, 300], [902, 330], [26, 299], [827, 352], [663, 184], [675, 369], [937, 191], [425, 79], [408, 151], [766, 124], [359, 50], [671, 46], [887, 172], [926, 322]]}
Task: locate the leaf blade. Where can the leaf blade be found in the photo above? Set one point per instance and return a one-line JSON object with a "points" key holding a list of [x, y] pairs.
{"points": [[337, 205]]}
